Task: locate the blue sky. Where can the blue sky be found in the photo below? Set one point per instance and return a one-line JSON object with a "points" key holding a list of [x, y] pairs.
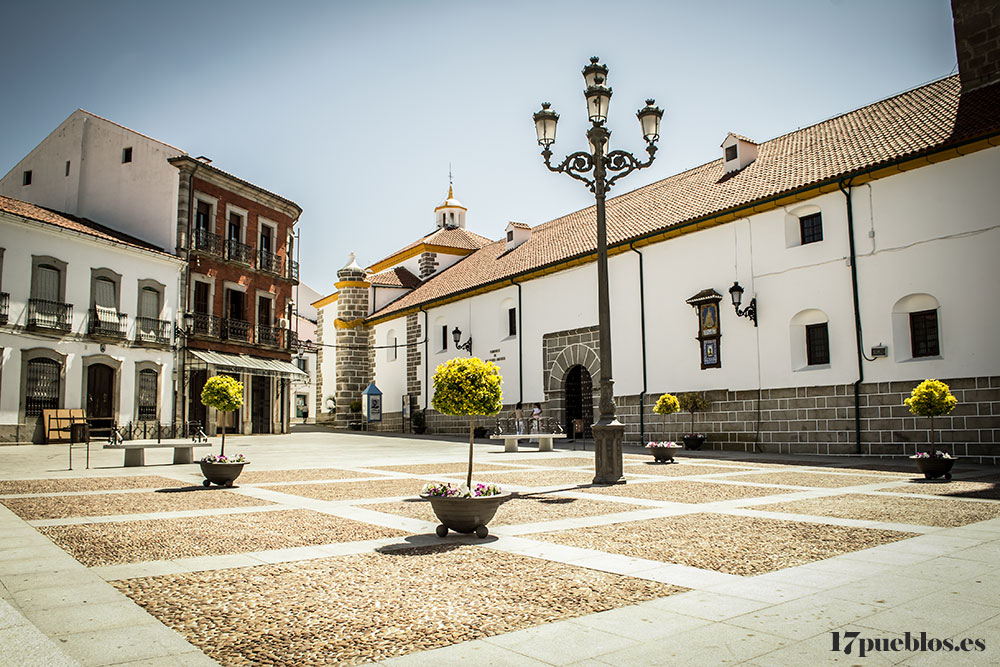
{"points": [[355, 110]]}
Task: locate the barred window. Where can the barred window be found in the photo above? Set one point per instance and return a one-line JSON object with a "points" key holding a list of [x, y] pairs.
{"points": [[811, 228], [924, 334], [817, 344], [147, 394], [42, 386]]}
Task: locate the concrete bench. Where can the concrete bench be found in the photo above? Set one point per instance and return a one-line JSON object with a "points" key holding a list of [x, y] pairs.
{"points": [[135, 453], [544, 440]]}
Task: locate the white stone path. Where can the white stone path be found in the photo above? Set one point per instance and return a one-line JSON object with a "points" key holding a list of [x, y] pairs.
{"points": [[945, 581]]}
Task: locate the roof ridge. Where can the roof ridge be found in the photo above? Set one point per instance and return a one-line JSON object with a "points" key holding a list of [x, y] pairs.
{"points": [[125, 127]]}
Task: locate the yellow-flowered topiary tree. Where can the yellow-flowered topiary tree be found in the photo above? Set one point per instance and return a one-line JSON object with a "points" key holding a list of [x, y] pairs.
{"points": [[931, 398], [225, 394], [667, 404], [467, 386]]}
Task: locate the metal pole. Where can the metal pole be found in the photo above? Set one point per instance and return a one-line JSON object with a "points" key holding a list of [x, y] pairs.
{"points": [[608, 431]]}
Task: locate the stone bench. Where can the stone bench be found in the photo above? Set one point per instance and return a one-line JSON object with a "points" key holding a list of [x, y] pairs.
{"points": [[544, 440], [135, 453]]}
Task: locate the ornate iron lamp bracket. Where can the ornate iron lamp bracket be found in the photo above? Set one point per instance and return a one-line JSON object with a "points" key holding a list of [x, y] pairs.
{"points": [[575, 165]]}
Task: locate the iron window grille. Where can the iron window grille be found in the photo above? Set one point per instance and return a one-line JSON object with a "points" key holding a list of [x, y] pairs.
{"points": [[42, 386], [817, 344], [924, 334], [811, 228], [147, 395]]}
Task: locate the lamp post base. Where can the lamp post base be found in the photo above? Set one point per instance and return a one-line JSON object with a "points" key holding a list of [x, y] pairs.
{"points": [[608, 438]]}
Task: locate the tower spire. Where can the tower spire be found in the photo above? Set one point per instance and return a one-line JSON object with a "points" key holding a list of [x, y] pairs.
{"points": [[451, 191]]}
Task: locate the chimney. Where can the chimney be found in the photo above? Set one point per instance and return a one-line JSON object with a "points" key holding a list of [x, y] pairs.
{"points": [[977, 42]]}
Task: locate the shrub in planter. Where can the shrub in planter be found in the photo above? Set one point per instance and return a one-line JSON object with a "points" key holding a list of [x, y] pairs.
{"points": [[466, 386], [932, 398], [480, 432], [226, 395], [693, 402]]}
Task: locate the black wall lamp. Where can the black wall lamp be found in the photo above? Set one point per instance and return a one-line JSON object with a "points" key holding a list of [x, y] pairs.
{"points": [[736, 291], [457, 336]]}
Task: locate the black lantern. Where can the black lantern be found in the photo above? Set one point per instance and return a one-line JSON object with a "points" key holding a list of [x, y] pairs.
{"points": [[649, 118], [736, 292], [456, 335], [545, 125]]}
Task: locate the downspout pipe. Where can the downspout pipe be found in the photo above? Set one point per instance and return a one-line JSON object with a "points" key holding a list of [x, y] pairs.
{"points": [[520, 345], [642, 340], [846, 189]]}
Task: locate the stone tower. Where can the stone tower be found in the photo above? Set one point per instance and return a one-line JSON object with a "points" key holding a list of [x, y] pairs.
{"points": [[355, 352]]}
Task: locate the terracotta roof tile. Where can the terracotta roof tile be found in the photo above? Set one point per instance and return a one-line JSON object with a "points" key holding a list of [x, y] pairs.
{"points": [[924, 119], [462, 239], [71, 222]]}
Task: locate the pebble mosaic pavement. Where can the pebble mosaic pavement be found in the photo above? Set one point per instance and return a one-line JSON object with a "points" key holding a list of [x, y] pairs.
{"points": [[334, 573]]}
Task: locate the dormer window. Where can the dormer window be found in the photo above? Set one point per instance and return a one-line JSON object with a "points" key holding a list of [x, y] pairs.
{"points": [[738, 152], [517, 233]]}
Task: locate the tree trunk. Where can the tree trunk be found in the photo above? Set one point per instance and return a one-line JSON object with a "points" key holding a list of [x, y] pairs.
{"points": [[472, 427], [932, 436], [222, 452]]}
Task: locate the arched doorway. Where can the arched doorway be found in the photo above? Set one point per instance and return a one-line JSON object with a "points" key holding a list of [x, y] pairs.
{"points": [[100, 398], [579, 399]]}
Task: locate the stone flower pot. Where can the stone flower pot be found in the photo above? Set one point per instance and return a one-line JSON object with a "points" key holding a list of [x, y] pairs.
{"points": [[664, 453], [223, 474], [465, 515], [932, 468], [693, 441]]}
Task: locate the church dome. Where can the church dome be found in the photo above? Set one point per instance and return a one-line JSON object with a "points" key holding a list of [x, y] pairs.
{"points": [[450, 202]]}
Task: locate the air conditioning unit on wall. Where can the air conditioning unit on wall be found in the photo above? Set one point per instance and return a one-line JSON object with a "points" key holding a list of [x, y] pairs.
{"points": [[283, 323]]}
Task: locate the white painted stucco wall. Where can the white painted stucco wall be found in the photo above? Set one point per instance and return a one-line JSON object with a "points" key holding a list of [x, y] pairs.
{"points": [[21, 240], [935, 232], [137, 198]]}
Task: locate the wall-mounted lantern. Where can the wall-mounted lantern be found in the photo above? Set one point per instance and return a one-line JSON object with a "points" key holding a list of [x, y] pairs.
{"points": [[736, 291]]}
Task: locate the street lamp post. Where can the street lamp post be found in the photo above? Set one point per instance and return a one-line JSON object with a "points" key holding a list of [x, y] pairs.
{"points": [[608, 431]]}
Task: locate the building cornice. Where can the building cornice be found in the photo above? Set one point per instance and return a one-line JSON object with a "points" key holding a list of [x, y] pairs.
{"points": [[236, 185]]}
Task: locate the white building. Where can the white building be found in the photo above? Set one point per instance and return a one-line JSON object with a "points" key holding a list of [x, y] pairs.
{"points": [[94, 168], [86, 319], [867, 242], [303, 387]]}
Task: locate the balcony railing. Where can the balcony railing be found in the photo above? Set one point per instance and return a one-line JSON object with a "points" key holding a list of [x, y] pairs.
{"points": [[107, 322], [207, 242], [291, 340], [293, 271], [237, 330], [268, 261], [270, 336], [152, 330], [239, 252], [43, 314], [4, 306], [204, 324]]}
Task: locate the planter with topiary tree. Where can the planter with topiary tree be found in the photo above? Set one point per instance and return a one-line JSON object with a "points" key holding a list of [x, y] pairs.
{"points": [[932, 398], [664, 450], [225, 394], [693, 402], [468, 387]]}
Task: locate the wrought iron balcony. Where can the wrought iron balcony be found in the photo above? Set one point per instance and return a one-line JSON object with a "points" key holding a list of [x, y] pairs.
{"points": [[207, 242], [237, 330], [270, 336], [4, 306], [152, 330], [291, 340], [268, 261], [293, 271], [107, 323], [43, 314], [239, 252], [204, 324]]}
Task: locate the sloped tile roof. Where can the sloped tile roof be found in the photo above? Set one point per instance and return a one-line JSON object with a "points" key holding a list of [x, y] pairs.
{"points": [[397, 277], [461, 239], [71, 222], [922, 120]]}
